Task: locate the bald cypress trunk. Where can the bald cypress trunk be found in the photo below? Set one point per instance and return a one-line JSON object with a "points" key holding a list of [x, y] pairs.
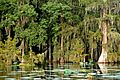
{"points": [[23, 50], [104, 30], [50, 54], [62, 39]]}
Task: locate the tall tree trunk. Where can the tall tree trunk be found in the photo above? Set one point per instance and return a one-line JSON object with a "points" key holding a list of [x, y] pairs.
{"points": [[62, 49], [49, 45], [62, 45], [50, 54], [68, 42], [62, 40], [23, 50], [104, 27], [92, 53]]}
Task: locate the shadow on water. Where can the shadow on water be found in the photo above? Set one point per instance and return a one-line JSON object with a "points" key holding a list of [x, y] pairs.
{"points": [[63, 71]]}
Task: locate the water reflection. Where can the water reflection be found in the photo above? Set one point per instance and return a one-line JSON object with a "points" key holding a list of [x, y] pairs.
{"points": [[68, 71], [103, 68]]}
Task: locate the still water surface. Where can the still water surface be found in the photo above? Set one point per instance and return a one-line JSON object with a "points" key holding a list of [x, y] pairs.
{"points": [[61, 72]]}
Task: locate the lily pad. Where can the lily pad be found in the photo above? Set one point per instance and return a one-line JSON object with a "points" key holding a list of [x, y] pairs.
{"points": [[10, 79], [32, 74], [3, 76], [81, 74], [76, 76], [57, 79], [66, 78], [13, 73]]}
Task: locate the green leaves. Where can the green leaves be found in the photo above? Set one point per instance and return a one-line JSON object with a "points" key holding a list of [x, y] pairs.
{"points": [[8, 49], [104, 1], [113, 41], [55, 7], [9, 20], [35, 34], [26, 10], [55, 10]]}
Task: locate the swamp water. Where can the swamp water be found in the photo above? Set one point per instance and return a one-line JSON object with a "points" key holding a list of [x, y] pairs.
{"points": [[61, 72]]}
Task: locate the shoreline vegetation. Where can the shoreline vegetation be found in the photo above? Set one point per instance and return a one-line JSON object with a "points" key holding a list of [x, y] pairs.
{"points": [[36, 32]]}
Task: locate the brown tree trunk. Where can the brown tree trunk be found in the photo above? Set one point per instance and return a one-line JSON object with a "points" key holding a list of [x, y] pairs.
{"points": [[62, 43], [92, 53], [62, 40], [104, 28], [23, 50], [68, 47], [50, 54], [62, 50], [8, 31]]}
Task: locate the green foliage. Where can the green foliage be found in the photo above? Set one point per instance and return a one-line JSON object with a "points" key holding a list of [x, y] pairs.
{"points": [[31, 58], [25, 14], [7, 6], [9, 21], [53, 12], [113, 42], [8, 49], [26, 10], [36, 34], [76, 53], [113, 57]]}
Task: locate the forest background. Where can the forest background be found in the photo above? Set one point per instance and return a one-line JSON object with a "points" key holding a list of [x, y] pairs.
{"points": [[40, 31]]}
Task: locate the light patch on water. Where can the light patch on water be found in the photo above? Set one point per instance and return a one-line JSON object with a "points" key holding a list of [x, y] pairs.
{"points": [[22, 71], [24, 78], [81, 74], [66, 78], [38, 71], [93, 74], [37, 79]]}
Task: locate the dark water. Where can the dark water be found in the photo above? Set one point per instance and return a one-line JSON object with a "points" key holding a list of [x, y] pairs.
{"points": [[61, 72]]}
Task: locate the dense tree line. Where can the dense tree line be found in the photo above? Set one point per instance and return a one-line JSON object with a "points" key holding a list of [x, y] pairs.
{"points": [[38, 31]]}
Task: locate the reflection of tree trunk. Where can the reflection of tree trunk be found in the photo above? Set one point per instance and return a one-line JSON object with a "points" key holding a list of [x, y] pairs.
{"points": [[103, 68], [103, 56]]}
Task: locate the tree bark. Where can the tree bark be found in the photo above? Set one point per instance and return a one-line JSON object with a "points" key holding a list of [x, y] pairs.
{"points": [[62, 45], [50, 54], [92, 53], [62, 40], [62, 50], [104, 27], [8, 31], [23, 50]]}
